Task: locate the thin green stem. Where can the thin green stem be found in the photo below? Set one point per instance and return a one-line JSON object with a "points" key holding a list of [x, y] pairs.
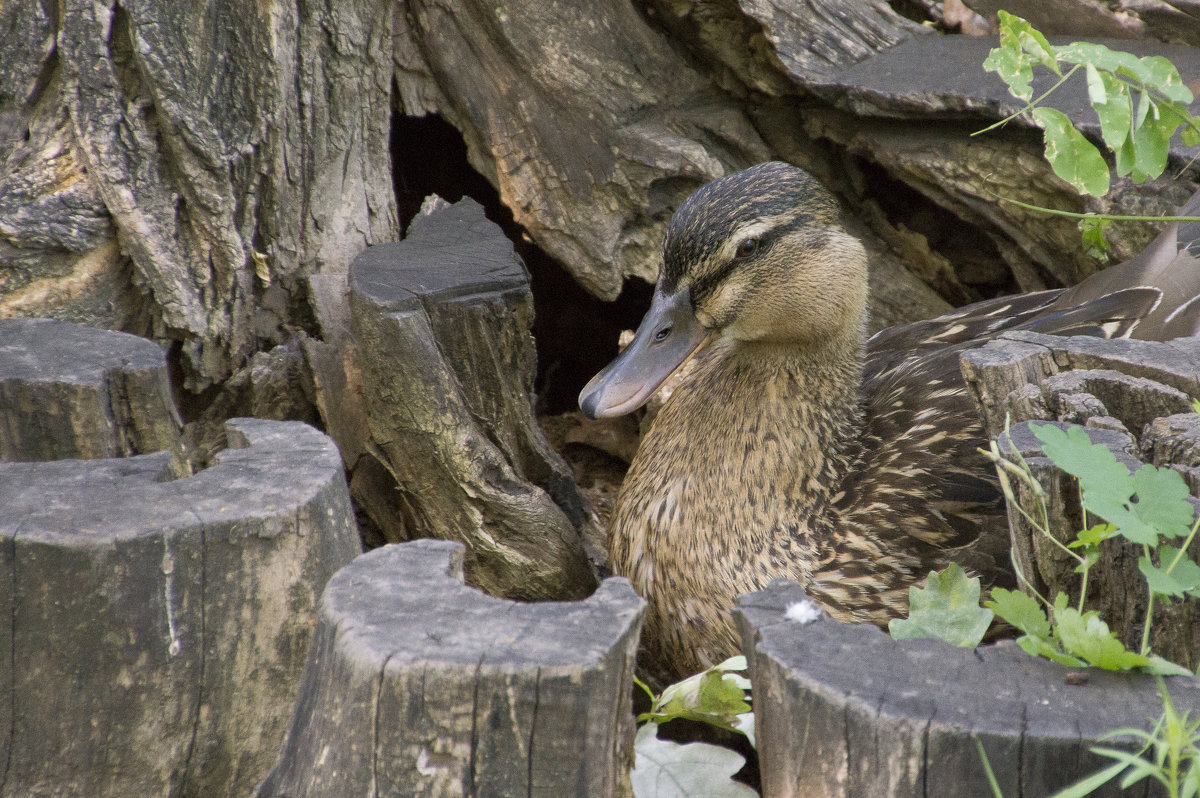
{"points": [[1183, 549], [1030, 104], [1149, 611], [1116, 217]]}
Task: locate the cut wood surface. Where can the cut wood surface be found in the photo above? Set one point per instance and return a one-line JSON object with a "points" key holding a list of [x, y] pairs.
{"points": [[419, 685], [844, 710], [441, 322], [74, 392], [159, 628], [1135, 398]]}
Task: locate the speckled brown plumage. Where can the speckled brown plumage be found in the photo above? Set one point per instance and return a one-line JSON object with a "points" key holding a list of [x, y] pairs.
{"points": [[798, 449]]}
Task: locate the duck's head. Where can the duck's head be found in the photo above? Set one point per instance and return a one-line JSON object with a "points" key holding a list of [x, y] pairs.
{"points": [[755, 256]]}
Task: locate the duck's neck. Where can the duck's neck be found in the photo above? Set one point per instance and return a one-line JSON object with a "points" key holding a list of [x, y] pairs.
{"points": [[795, 405]]}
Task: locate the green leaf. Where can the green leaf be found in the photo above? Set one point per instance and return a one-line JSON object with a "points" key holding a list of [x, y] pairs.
{"points": [[1039, 647], [1011, 65], [1086, 636], [1161, 75], [1073, 158], [665, 769], [1093, 536], [1092, 463], [1150, 144], [1186, 572], [947, 607], [1190, 137], [1114, 108], [1030, 40], [1095, 242], [1162, 500], [1125, 158], [1089, 784], [715, 696], [1164, 667], [1021, 610], [1158, 580]]}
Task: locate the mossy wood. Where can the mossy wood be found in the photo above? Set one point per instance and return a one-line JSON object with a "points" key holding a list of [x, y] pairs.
{"points": [[73, 392], [442, 324], [419, 685], [1135, 397], [843, 710], [158, 627]]}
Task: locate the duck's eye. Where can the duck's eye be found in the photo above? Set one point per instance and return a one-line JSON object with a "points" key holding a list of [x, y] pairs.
{"points": [[661, 334], [746, 248]]}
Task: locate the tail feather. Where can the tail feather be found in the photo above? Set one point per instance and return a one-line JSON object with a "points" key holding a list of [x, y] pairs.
{"points": [[1171, 264]]}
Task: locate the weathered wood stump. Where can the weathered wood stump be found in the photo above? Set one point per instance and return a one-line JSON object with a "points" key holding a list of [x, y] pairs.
{"points": [[441, 322], [844, 710], [74, 392], [419, 685], [158, 628], [1134, 396]]}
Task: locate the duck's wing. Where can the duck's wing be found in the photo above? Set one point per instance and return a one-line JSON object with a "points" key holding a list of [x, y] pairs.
{"points": [[1170, 265], [920, 477]]}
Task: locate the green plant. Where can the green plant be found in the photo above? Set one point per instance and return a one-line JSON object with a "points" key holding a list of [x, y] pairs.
{"points": [[1147, 508], [947, 607], [719, 697], [1141, 103]]}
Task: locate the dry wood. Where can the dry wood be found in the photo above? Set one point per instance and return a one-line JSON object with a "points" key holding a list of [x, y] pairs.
{"points": [[72, 392], [159, 628], [419, 685], [843, 710], [441, 321], [1134, 397]]}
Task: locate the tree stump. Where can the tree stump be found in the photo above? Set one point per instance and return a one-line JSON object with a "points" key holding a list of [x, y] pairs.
{"points": [[419, 685], [844, 710], [69, 392], [158, 628], [1134, 397], [441, 321]]}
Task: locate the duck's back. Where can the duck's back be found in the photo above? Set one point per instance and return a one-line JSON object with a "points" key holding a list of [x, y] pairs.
{"points": [[920, 476]]}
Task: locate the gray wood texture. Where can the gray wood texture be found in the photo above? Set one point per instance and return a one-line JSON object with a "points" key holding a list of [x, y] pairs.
{"points": [[159, 627], [1133, 396], [417, 685], [441, 322], [843, 710], [232, 148], [74, 392]]}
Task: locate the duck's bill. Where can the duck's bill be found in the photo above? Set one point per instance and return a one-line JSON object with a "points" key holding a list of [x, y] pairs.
{"points": [[666, 339]]}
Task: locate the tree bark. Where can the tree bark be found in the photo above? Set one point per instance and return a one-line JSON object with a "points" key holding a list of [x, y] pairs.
{"points": [[69, 392], [419, 685], [1134, 397], [203, 161], [156, 642], [442, 325], [844, 710]]}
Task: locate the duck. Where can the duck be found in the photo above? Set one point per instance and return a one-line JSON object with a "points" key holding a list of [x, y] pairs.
{"points": [[795, 446]]}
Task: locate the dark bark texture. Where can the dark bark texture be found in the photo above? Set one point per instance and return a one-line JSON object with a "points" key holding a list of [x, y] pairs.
{"points": [[441, 324], [419, 685], [844, 710], [1135, 398], [159, 626]]}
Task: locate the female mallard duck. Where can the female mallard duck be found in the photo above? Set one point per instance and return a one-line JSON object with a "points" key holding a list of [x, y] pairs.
{"points": [[796, 448]]}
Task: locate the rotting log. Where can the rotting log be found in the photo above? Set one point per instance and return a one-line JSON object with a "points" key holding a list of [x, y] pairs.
{"points": [[74, 392], [1135, 398], [419, 685], [159, 628], [843, 710], [441, 322]]}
